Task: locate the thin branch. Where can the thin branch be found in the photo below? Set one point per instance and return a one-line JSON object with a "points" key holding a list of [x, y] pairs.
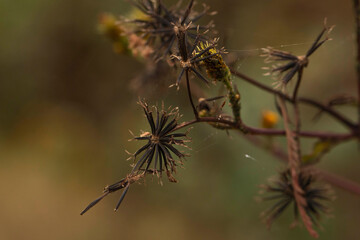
{"points": [[331, 112], [309, 134], [314, 103], [297, 86], [339, 181], [266, 131], [260, 85], [297, 109], [293, 149], [189, 93]]}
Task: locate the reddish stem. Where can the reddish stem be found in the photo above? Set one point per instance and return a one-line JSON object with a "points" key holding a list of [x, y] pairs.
{"points": [[266, 131]]}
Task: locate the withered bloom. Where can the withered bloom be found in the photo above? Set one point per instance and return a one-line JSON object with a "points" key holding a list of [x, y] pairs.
{"points": [[162, 24], [281, 190], [157, 153], [286, 64]]}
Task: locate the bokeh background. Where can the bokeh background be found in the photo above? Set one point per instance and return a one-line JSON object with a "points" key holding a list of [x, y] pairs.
{"points": [[66, 108]]}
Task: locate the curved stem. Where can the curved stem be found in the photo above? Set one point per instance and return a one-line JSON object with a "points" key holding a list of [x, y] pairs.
{"points": [[330, 111], [339, 181], [297, 86], [309, 134], [189, 93], [266, 131]]}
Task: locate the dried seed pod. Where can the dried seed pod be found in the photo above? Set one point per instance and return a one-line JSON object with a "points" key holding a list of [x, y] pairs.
{"points": [[156, 154], [286, 64], [281, 190]]}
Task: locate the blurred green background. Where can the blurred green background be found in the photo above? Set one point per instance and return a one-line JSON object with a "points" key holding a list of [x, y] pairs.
{"points": [[66, 109]]}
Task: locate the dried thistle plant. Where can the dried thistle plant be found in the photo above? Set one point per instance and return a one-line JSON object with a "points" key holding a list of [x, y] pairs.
{"points": [[157, 153], [286, 64], [161, 143], [171, 34]]}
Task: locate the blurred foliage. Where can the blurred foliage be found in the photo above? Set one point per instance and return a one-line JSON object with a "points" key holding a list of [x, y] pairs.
{"points": [[66, 109]]}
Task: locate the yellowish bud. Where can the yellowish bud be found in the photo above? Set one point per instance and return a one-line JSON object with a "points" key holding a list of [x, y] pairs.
{"points": [[269, 119]]}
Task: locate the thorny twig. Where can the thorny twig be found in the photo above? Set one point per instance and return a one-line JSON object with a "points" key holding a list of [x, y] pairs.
{"points": [[177, 26]]}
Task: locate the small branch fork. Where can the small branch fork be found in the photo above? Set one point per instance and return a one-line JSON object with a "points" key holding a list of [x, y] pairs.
{"points": [[339, 117]]}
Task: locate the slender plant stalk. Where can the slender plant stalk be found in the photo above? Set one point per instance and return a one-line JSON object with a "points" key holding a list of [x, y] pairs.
{"points": [[267, 132], [234, 98], [295, 156], [190, 96], [297, 110], [339, 181], [308, 134], [341, 118], [297, 86], [293, 147]]}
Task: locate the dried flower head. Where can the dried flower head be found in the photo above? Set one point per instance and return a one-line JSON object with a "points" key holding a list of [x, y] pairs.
{"points": [[162, 25], [290, 64], [282, 191], [156, 153]]}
